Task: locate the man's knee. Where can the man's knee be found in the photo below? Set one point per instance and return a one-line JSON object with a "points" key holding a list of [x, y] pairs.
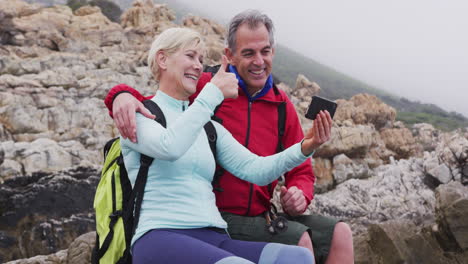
{"points": [[341, 250], [305, 241], [342, 239], [342, 231]]}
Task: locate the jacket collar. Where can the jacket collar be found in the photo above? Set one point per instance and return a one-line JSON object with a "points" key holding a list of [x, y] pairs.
{"points": [[162, 99], [243, 86]]}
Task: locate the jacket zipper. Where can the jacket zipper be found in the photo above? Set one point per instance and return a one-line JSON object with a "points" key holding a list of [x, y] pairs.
{"points": [[247, 145]]}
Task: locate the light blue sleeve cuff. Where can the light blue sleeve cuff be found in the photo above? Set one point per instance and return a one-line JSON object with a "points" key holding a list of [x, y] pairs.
{"points": [[308, 156]]}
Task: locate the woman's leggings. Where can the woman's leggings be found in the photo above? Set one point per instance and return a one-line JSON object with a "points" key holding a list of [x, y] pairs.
{"points": [[206, 246]]}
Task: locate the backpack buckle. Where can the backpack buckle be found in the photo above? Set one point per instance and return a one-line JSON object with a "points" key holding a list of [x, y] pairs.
{"points": [[115, 215], [145, 160]]}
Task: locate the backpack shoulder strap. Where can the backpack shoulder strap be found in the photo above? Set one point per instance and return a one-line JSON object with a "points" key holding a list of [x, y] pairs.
{"points": [[145, 163], [281, 126], [213, 70], [108, 146], [210, 131], [155, 110]]}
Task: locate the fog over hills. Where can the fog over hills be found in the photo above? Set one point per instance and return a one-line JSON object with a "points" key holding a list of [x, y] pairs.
{"points": [[414, 50]]}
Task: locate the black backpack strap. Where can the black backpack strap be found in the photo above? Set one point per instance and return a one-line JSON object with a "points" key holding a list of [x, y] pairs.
{"points": [[281, 126], [212, 69], [108, 146], [139, 189], [210, 131], [134, 206], [215, 117], [155, 110]]}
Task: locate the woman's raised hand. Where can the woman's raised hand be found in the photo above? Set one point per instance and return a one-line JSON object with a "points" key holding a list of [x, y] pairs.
{"points": [[318, 134], [226, 81]]}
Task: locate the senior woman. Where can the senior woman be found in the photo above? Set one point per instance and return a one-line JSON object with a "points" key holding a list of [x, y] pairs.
{"points": [[179, 221]]}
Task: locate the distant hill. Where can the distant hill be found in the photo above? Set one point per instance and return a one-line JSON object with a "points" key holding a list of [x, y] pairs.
{"points": [[335, 85]]}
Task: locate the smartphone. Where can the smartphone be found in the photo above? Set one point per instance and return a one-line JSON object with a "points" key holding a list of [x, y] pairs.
{"points": [[320, 103]]}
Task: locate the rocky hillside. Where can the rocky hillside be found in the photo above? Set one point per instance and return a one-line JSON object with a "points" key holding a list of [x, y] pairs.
{"points": [[403, 191]]}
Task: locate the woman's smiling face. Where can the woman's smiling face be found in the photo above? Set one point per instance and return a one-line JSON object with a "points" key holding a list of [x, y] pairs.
{"points": [[183, 69]]}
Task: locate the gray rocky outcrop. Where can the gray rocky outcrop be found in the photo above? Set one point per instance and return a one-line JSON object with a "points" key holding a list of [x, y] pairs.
{"points": [[442, 240], [44, 212]]}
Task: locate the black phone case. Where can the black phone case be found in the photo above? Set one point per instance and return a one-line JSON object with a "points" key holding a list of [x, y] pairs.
{"points": [[319, 103]]}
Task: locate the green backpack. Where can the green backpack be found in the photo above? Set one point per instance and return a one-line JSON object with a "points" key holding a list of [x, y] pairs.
{"points": [[117, 204]]}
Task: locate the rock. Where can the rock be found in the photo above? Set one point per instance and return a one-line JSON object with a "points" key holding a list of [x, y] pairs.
{"points": [[362, 252], [400, 141], [441, 173], [344, 169], [366, 109], [44, 155], [57, 258], [87, 10], [305, 88], [452, 212], [426, 135], [403, 242], [44, 213], [353, 141], [144, 20], [79, 252], [144, 13], [323, 175], [213, 34], [81, 249], [449, 160], [392, 192]]}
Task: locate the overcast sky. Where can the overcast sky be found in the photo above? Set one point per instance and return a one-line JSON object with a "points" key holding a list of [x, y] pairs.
{"points": [[414, 48]]}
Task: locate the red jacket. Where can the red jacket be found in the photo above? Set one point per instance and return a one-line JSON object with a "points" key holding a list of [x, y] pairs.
{"points": [[255, 125]]}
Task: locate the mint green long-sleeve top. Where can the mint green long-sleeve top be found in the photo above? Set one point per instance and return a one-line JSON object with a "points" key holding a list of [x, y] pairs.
{"points": [[178, 193]]}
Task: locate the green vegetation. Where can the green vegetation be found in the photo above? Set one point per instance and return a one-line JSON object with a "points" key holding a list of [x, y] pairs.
{"points": [[438, 121]]}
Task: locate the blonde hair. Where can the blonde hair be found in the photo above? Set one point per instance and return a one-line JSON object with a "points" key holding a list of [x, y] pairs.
{"points": [[170, 41]]}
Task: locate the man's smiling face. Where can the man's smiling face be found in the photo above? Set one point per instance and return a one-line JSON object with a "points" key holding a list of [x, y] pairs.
{"points": [[253, 55]]}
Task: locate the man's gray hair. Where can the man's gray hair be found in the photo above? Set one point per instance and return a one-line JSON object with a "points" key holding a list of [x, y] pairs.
{"points": [[253, 18]]}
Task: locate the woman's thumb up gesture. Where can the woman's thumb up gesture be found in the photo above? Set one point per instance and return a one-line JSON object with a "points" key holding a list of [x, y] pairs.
{"points": [[226, 81]]}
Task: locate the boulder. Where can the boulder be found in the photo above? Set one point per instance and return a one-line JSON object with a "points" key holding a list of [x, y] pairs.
{"points": [[402, 242], [352, 140], [400, 141], [366, 109], [344, 169], [452, 212], [323, 174], [43, 213]]}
